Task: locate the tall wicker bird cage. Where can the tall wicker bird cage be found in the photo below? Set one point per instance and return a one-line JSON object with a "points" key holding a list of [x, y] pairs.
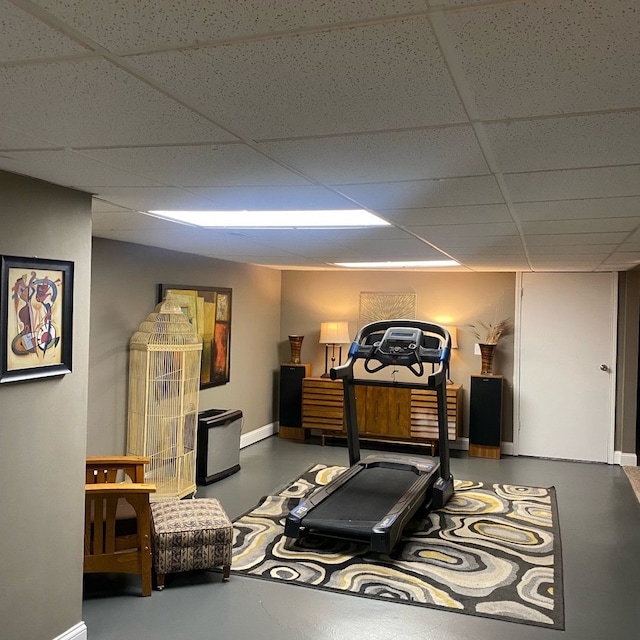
{"points": [[164, 384]]}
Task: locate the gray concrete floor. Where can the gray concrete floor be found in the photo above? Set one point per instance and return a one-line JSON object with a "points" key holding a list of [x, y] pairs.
{"points": [[600, 531]]}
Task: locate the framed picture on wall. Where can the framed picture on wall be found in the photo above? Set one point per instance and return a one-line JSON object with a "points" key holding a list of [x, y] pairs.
{"points": [[209, 310], [36, 317]]}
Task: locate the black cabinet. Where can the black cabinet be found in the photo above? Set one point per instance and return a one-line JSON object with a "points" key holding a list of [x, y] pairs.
{"points": [[290, 399], [485, 416]]}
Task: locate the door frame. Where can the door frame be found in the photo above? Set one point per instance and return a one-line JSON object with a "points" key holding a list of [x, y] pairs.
{"points": [[517, 336]]}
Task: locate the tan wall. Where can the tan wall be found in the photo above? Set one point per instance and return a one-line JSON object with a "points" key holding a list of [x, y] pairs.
{"points": [[124, 289], [43, 430], [309, 298]]}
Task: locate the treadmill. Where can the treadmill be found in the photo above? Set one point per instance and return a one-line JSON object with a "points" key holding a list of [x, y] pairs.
{"points": [[373, 500]]}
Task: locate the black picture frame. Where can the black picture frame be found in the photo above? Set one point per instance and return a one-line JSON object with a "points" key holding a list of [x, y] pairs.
{"points": [[209, 310], [36, 318]]}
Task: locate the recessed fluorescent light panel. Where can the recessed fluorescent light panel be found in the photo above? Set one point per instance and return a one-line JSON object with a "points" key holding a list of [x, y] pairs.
{"points": [[316, 219], [408, 264]]}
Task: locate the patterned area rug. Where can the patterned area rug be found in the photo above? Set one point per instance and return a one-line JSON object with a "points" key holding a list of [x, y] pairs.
{"points": [[494, 551]]}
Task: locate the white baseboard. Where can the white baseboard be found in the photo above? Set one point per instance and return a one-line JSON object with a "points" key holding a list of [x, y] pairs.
{"points": [[77, 632], [625, 459], [258, 434]]}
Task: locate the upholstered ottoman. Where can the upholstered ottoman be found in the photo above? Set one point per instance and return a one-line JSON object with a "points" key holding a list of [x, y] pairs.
{"points": [[190, 534]]}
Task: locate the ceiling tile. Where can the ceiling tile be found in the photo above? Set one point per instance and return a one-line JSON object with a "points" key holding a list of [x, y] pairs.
{"points": [[272, 197], [537, 57], [573, 250], [438, 233], [407, 155], [569, 184], [70, 169], [122, 25], [13, 139], [566, 143], [201, 165], [426, 193], [93, 103], [570, 239], [592, 225], [326, 82], [486, 243], [447, 215], [150, 198], [23, 37], [578, 209]]}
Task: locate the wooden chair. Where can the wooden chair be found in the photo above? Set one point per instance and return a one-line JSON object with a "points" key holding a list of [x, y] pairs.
{"points": [[117, 522]]}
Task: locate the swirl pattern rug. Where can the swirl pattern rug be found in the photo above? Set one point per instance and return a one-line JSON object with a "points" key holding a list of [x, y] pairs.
{"points": [[493, 551]]}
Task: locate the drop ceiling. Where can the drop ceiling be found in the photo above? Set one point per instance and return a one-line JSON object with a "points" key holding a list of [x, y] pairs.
{"points": [[504, 134]]}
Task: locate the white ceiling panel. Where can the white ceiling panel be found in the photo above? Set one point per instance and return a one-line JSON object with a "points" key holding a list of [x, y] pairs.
{"points": [[566, 143], [626, 207], [130, 26], [426, 193], [485, 243], [201, 165], [510, 56], [273, 197], [570, 184], [408, 248], [570, 239], [23, 37], [94, 103], [346, 80], [439, 232], [12, 139], [459, 121], [70, 169], [563, 250], [448, 215], [590, 225], [151, 198], [403, 155], [127, 220]]}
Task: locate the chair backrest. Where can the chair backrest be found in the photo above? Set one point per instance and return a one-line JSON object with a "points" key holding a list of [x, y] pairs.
{"points": [[114, 542]]}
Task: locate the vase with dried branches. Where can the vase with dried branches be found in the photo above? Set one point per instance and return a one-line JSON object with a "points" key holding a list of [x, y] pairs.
{"points": [[488, 335]]}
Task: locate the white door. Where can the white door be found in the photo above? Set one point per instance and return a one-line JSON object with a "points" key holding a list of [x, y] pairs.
{"points": [[566, 382]]}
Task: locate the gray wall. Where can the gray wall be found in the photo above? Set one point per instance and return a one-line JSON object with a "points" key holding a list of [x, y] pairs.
{"points": [[459, 299], [123, 292], [42, 430]]}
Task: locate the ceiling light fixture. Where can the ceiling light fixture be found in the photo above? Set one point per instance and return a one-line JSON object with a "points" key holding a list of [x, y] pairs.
{"points": [[400, 264], [309, 219]]}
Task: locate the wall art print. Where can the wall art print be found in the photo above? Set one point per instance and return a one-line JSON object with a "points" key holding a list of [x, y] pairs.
{"points": [[36, 310], [376, 306], [209, 310]]}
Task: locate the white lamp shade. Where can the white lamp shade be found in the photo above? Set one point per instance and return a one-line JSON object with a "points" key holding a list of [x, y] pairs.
{"points": [[453, 332], [334, 333]]}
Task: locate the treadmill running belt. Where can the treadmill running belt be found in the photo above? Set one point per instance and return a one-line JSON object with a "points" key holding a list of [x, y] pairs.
{"points": [[363, 501]]}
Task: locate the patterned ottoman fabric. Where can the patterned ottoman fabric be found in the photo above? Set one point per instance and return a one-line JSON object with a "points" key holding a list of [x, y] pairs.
{"points": [[190, 534]]}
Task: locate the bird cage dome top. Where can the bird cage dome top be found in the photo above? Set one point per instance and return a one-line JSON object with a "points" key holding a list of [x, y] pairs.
{"points": [[167, 326]]}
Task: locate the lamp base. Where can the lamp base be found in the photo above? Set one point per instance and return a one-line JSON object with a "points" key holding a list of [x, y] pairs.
{"points": [[325, 375]]}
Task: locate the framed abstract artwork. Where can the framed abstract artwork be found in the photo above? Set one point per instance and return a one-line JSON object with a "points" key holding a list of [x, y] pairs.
{"points": [[376, 306], [36, 318], [209, 310]]}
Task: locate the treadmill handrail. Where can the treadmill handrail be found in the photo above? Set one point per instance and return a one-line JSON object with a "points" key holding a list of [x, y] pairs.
{"points": [[359, 351]]}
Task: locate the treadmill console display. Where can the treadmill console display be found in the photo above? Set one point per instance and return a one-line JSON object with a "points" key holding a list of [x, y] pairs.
{"points": [[400, 341]]}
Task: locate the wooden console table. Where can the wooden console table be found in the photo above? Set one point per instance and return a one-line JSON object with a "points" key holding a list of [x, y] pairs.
{"points": [[384, 413]]}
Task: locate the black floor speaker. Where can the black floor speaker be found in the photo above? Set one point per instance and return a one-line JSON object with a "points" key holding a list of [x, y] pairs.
{"points": [[290, 399], [485, 416]]}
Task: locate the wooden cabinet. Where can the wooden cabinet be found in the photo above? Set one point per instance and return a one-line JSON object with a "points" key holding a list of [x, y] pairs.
{"points": [[322, 404], [385, 413], [424, 412]]}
